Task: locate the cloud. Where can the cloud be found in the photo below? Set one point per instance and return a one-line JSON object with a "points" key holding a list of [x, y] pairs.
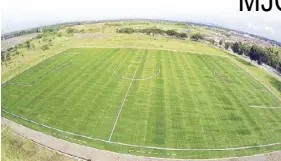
{"points": [[261, 28], [268, 29]]}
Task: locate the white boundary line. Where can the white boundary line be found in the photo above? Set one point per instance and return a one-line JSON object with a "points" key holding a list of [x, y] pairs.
{"points": [[35, 82], [265, 107], [157, 158], [52, 128], [140, 146], [46, 73], [268, 89], [112, 131], [151, 147], [189, 149]]}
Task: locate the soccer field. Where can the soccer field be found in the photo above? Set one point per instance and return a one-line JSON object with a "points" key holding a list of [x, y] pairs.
{"points": [[147, 102]]}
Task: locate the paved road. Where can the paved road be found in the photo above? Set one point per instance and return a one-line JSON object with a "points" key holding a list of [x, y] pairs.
{"points": [[85, 153], [8, 43]]}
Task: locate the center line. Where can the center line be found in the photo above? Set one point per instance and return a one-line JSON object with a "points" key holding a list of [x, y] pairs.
{"points": [[124, 101]]}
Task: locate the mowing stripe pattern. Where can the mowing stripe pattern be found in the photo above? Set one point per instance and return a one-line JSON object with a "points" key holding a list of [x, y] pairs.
{"points": [[191, 102]]}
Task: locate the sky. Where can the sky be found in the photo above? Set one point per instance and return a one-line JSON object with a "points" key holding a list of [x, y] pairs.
{"points": [[19, 14]]}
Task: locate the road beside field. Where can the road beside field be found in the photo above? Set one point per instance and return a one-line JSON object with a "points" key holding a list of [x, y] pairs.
{"points": [[8, 43]]}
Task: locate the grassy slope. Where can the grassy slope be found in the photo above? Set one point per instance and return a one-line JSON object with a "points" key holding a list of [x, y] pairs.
{"points": [[166, 109], [15, 148]]}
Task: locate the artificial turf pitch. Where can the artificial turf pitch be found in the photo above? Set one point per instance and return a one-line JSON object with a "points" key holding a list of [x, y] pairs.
{"points": [[149, 98]]}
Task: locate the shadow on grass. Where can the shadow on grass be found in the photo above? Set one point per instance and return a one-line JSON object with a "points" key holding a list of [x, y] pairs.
{"points": [[275, 83]]}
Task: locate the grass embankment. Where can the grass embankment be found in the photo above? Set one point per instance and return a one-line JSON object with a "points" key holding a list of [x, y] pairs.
{"points": [[16, 148]]}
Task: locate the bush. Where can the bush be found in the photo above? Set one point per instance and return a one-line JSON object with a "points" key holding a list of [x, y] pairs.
{"points": [[45, 47], [126, 30], [197, 37], [182, 35], [39, 36], [171, 32], [71, 30], [2, 56], [227, 45], [28, 44], [152, 31], [240, 48]]}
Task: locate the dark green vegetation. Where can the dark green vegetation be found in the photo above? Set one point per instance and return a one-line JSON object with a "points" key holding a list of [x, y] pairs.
{"points": [[270, 56], [154, 31], [197, 37], [197, 102]]}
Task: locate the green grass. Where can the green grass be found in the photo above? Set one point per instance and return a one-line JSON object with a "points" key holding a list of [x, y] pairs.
{"points": [[16, 148], [197, 102]]}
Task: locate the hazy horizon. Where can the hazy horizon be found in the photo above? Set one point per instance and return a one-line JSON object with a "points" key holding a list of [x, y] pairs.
{"points": [[19, 15]]}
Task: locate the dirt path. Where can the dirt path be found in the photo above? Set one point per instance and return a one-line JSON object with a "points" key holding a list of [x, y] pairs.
{"points": [[84, 153]]}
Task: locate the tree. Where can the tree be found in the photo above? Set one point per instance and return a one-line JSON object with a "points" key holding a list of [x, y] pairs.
{"points": [[244, 49], [235, 47], [182, 35], [212, 41], [171, 32], [70, 30], [221, 42], [45, 47], [151, 31], [227, 45], [197, 37], [256, 54], [126, 30], [8, 56], [28, 44], [2, 56]]}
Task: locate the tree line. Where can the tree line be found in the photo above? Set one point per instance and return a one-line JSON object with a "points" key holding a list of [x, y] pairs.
{"points": [[262, 55], [156, 31]]}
